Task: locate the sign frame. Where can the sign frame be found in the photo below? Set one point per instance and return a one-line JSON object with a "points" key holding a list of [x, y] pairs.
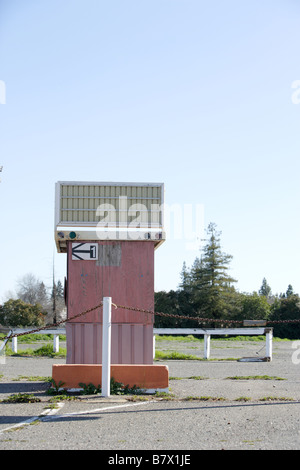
{"points": [[84, 251]]}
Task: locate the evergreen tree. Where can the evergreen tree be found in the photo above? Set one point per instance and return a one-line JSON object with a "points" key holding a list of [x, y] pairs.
{"points": [[60, 290], [212, 287], [289, 291], [185, 277], [57, 301], [286, 309], [41, 295], [265, 289]]}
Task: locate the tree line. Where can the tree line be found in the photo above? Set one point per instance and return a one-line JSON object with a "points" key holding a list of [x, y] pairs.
{"points": [[207, 291], [34, 304]]}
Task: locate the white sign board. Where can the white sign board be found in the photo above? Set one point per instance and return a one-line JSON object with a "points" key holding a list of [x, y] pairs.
{"points": [[89, 211], [84, 251], [79, 204]]}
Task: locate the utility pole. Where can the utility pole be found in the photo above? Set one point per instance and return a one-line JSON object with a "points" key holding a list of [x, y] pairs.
{"points": [[54, 297]]}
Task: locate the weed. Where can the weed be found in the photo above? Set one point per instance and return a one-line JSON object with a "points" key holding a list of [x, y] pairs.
{"points": [[243, 399], [89, 389], [21, 398], [56, 388], [137, 398], [116, 388], [270, 398], [197, 377], [62, 397], [164, 395]]}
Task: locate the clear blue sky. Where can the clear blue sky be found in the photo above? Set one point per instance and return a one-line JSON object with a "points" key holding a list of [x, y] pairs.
{"points": [[191, 93]]}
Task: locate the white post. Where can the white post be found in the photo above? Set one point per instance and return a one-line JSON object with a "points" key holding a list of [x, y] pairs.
{"points": [[269, 336], [106, 347], [206, 346], [14, 344], [153, 346], [56, 343]]}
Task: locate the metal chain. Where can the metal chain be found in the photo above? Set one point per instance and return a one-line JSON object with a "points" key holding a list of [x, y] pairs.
{"points": [[199, 319], [47, 327], [181, 317], [141, 310], [283, 321]]}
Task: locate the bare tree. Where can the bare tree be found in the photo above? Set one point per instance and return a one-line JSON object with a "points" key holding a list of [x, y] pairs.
{"points": [[29, 289], [33, 291]]}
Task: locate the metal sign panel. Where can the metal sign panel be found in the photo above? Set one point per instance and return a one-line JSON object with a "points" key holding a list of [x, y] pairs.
{"points": [[84, 251], [109, 204], [86, 212]]}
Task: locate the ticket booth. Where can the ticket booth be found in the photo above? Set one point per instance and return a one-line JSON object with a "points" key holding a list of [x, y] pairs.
{"points": [[110, 233]]}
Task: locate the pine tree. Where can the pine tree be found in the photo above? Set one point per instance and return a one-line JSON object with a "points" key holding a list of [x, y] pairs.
{"points": [[212, 287], [59, 290], [265, 289], [185, 277], [289, 291], [41, 295]]}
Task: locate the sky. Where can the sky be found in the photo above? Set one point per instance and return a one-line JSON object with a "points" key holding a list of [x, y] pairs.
{"points": [[201, 96]]}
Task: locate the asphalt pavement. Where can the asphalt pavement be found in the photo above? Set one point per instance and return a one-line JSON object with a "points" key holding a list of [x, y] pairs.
{"points": [[221, 404]]}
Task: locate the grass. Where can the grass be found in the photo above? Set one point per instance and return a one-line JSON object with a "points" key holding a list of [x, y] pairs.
{"points": [[32, 378], [184, 339], [47, 350], [191, 338], [44, 351], [176, 355]]}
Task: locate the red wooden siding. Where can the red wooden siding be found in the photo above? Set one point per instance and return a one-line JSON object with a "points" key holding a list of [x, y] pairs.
{"points": [[124, 271], [129, 284], [130, 343]]}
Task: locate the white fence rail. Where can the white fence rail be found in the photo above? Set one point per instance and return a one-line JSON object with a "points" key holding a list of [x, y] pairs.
{"points": [[219, 331], [207, 333], [55, 332]]}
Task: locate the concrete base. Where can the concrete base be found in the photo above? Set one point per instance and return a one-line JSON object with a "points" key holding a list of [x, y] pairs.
{"points": [[148, 377]]}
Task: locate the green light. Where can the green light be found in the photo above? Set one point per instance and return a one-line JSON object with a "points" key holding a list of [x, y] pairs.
{"points": [[72, 235]]}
